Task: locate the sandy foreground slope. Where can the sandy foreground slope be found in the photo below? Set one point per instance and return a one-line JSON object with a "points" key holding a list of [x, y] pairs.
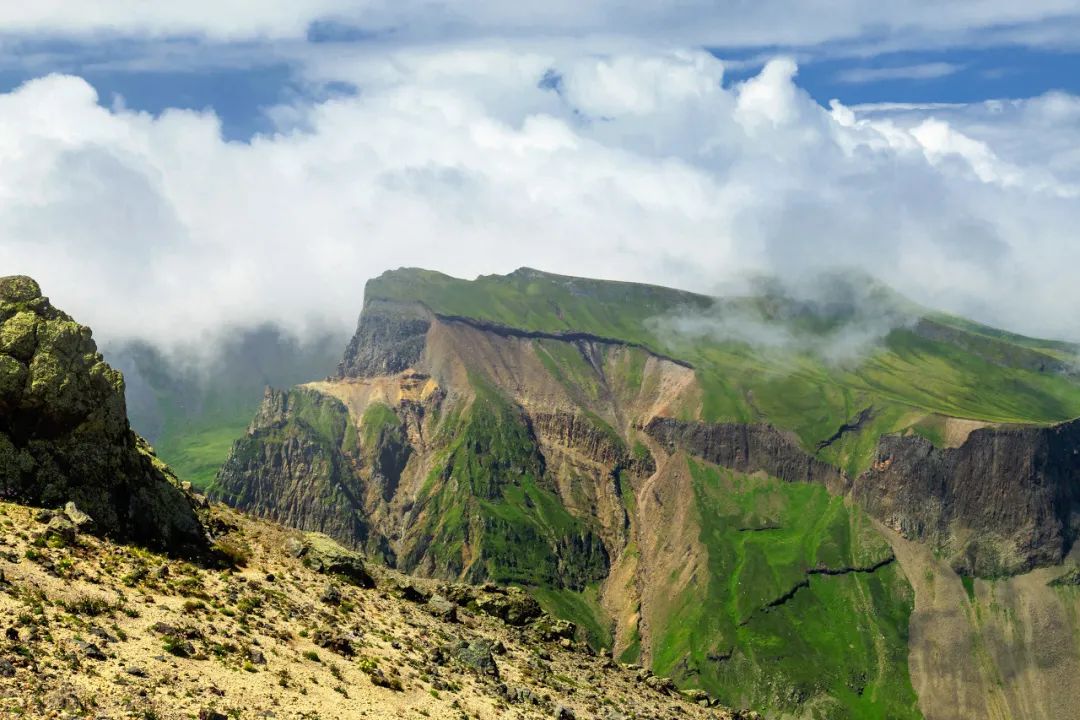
{"points": [[93, 629]]}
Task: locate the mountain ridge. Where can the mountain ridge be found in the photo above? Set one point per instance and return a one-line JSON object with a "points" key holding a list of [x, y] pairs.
{"points": [[537, 420]]}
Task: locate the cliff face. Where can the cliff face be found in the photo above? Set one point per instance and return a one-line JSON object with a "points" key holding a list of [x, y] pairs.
{"points": [[296, 466], [64, 433], [746, 448], [1005, 501], [389, 339]]}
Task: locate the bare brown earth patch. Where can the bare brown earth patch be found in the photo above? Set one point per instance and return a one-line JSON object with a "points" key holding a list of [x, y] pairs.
{"points": [[1011, 651]]}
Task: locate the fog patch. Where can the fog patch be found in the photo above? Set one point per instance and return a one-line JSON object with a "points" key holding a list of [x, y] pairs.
{"points": [[838, 318]]}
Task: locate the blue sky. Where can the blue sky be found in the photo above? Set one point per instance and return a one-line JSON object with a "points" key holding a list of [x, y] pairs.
{"points": [[240, 79], [240, 90]]}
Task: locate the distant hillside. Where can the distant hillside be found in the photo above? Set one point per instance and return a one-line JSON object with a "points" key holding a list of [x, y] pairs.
{"points": [[699, 483], [191, 409]]}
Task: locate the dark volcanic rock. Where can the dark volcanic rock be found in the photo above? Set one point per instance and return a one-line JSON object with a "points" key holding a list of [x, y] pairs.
{"points": [[390, 338], [64, 433], [747, 449], [1006, 500]]}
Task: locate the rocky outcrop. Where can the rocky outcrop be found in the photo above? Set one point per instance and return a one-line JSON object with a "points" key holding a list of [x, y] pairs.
{"points": [[296, 465], [590, 438], [64, 433], [745, 448], [1006, 500], [389, 339]]}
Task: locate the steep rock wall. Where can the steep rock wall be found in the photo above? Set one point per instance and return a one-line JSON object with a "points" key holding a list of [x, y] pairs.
{"points": [[745, 448], [1006, 500]]}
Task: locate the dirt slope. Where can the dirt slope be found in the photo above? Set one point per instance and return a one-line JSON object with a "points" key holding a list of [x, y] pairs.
{"points": [[97, 630]]}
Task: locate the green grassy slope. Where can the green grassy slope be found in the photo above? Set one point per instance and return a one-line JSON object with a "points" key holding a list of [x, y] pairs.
{"points": [[928, 365], [837, 644], [488, 512]]}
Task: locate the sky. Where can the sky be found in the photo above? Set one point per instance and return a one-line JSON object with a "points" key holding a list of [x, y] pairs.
{"points": [[174, 171]]}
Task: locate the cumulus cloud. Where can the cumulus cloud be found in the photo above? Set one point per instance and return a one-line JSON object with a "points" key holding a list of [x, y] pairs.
{"points": [[640, 164]]}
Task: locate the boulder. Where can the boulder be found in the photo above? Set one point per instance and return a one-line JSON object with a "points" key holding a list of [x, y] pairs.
{"points": [[323, 555], [442, 608], [475, 655]]}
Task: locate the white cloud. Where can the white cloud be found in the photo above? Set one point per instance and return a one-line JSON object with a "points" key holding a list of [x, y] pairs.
{"points": [[641, 166], [922, 71]]}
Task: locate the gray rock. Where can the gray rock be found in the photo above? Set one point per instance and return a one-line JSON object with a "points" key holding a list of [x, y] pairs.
{"points": [[81, 521], [323, 554], [62, 529], [442, 608], [477, 656], [331, 595], [90, 650]]}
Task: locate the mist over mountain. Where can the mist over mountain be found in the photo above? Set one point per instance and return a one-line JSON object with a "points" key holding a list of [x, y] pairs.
{"points": [[192, 403]]}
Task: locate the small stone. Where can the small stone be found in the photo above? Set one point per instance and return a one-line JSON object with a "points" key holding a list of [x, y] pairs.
{"points": [[78, 518], [90, 650], [256, 657], [564, 712], [6, 668], [102, 634], [442, 608], [340, 642], [331, 595]]}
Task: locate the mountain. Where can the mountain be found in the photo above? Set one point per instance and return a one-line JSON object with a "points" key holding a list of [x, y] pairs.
{"points": [[124, 594], [64, 434], [732, 491], [192, 405]]}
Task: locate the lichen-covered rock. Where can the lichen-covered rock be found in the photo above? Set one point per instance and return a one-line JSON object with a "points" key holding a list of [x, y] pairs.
{"points": [[477, 655], [324, 555], [64, 434]]}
